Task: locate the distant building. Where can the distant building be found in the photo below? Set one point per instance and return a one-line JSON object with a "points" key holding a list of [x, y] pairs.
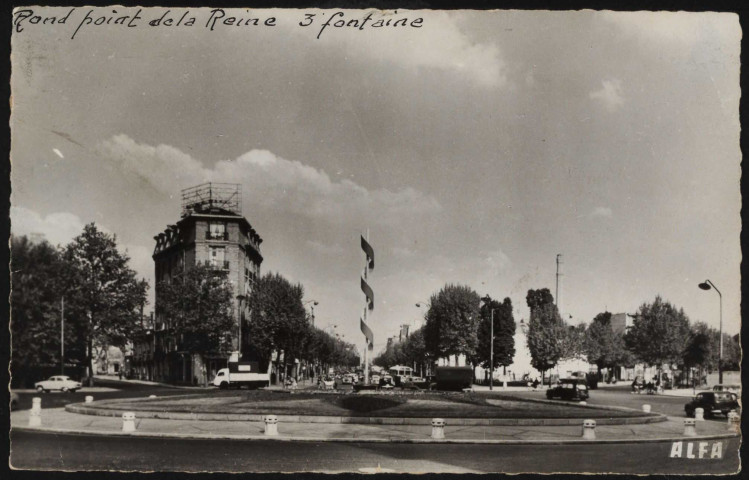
{"points": [[210, 232], [403, 335], [621, 322]]}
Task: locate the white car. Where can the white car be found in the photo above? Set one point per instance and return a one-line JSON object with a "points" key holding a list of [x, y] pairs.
{"points": [[58, 382]]}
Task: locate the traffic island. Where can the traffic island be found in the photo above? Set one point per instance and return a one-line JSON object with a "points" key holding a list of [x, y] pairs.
{"points": [[392, 408]]}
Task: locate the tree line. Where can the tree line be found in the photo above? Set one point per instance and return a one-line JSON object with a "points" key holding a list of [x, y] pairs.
{"points": [[90, 284], [458, 322], [88, 280]]}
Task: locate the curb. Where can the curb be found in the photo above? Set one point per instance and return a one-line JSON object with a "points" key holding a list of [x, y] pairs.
{"points": [[282, 438], [87, 409]]}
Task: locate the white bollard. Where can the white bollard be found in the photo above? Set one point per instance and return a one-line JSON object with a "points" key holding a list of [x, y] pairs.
{"points": [[504, 384], [35, 416], [271, 425], [589, 430], [734, 421], [689, 430], [646, 408], [583, 402], [699, 414], [89, 399], [128, 422], [438, 428]]}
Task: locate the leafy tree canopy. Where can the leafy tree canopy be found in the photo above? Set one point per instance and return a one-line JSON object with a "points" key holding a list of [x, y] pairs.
{"points": [[660, 333], [199, 304], [452, 322]]}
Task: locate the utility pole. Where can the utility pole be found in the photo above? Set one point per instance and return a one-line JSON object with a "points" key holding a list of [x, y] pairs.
{"points": [[558, 297], [491, 355], [62, 335]]}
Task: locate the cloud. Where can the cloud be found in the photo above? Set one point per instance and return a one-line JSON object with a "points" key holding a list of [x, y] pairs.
{"points": [[438, 44], [610, 95], [272, 182], [601, 212], [497, 261], [57, 228]]}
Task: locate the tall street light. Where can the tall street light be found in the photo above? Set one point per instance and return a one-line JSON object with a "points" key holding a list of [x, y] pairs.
{"points": [[487, 300], [312, 310], [706, 285]]}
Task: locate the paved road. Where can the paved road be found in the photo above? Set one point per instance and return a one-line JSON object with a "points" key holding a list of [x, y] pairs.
{"points": [[73, 452], [124, 390], [672, 406]]}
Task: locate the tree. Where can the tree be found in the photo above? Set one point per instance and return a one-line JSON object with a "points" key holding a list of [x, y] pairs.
{"points": [[198, 303], [278, 321], [731, 352], [545, 329], [35, 305], [660, 333], [504, 334], [452, 322], [602, 345], [105, 297]]}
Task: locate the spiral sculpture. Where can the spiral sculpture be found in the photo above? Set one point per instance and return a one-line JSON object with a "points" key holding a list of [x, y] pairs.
{"points": [[369, 299]]}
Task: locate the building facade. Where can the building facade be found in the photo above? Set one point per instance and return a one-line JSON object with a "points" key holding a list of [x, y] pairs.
{"points": [[211, 232]]}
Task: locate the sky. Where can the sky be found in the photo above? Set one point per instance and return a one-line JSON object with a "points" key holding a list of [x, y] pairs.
{"points": [[473, 149]]}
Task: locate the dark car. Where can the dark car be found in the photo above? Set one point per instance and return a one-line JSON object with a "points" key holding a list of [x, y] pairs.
{"points": [[712, 403], [569, 389]]}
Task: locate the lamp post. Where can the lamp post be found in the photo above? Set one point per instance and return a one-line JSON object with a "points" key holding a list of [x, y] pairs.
{"points": [[312, 310], [487, 300], [707, 285], [62, 335]]}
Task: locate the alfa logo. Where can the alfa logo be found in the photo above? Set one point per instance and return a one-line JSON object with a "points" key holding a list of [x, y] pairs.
{"points": [[696, 450]]}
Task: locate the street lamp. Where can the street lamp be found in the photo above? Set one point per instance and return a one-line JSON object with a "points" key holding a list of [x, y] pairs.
{"points": [[707, 285], [487, 300], [312, 310]]}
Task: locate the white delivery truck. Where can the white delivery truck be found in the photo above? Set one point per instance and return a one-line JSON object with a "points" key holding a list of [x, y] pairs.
{"points": [[240, 374]]}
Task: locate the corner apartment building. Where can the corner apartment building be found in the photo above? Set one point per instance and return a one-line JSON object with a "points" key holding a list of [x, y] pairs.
{"points": [[210, 232]]}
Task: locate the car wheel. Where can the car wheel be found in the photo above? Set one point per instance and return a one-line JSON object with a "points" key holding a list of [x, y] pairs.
{"points": [[64, 389], [72, 390], [40, 389], [223, 386]]}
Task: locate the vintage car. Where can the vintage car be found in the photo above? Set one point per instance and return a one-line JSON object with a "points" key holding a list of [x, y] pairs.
{"points": [[569, 389], [727, 388], [57, 382], [712, 403]]}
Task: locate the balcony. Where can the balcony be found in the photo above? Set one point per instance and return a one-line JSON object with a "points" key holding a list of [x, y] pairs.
{"points": [[217, 265], [216, 235]]}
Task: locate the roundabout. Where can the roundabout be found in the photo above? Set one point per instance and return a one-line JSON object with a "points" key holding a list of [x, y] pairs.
{"points": [[394, 407]]}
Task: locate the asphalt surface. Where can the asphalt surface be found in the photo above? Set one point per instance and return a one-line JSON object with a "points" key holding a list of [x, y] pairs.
{"points": [[124, 390], [48, 451], [672, 406], [80, 452]]}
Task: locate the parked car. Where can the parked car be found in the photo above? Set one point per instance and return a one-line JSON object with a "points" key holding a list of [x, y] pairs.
{"points": [[727, 388], [57, 382], [569, 389], [712, 403]]}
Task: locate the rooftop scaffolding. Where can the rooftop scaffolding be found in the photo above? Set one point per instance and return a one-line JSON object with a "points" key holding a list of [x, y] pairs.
{"points": [[207, 197]]}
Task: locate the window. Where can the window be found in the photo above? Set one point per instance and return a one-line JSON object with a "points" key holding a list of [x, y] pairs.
{"points": [[217, 231]]}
